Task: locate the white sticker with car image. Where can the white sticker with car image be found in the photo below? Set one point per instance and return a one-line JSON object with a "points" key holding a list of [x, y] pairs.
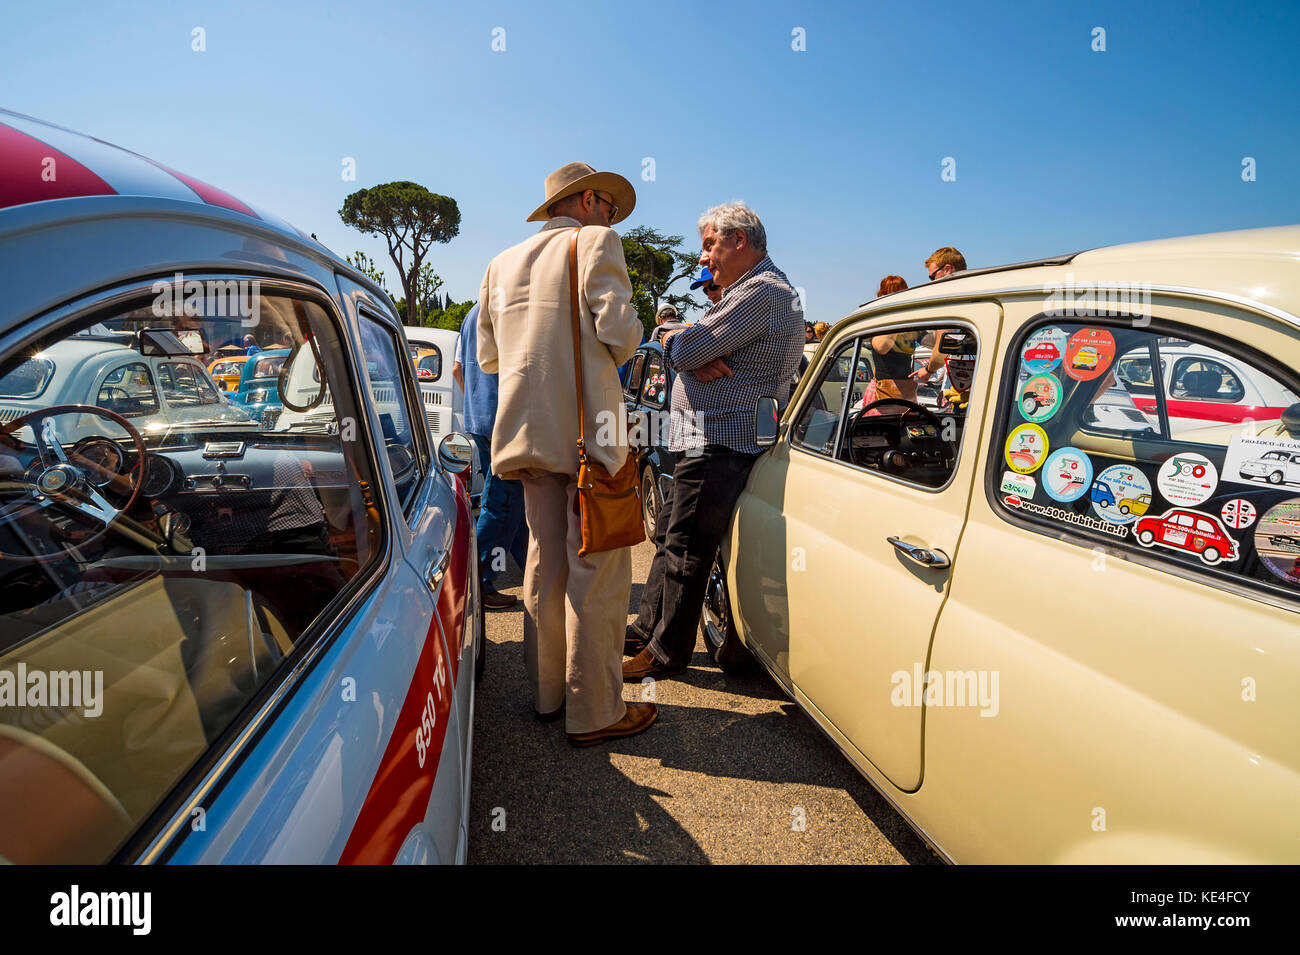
{"points": [[1274, 461], [1025, 448], [1277, 540], [1121, 494], [1067, 475], [1187, 478], [1190, 533], [1040, 397], [1044, 350]]}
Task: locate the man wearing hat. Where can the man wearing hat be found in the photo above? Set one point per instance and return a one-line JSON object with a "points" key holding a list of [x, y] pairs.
{"points": [[667, 318], [575, 608], [711, 288]]}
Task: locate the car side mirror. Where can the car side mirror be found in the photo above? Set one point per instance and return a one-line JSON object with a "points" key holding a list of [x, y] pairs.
{"points": [[956, 343], [455, 453], [766, 419], [1291, 421]]}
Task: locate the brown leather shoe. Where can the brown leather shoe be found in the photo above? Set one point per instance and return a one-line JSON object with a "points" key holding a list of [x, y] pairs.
{"points": [[633, 642], [644, 664], [638, 718]]}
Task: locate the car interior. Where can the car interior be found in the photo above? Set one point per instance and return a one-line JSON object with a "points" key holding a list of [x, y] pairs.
{"points": [[179, 566]]}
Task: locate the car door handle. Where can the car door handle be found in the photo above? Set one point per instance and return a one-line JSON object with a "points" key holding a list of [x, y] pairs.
{"points": [[934, 559], [437, 568]]}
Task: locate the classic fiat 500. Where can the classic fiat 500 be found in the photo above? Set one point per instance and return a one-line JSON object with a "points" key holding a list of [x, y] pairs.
{"points": [[220, 640], [1030, 672]]}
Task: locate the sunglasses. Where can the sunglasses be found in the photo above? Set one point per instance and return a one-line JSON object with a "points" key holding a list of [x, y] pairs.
{"points": [[713, 287], [613, 209]]}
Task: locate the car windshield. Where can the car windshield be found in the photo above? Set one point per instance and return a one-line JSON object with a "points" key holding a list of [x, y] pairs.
{"points": [[267, 367], [27, 380]]}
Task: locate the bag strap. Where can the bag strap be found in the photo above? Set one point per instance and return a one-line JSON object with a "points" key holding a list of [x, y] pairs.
{"points": [[577, 343]]}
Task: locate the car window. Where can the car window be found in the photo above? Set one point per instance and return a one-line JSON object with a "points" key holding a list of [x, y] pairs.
{"points": [[903, 413], [159, 575], [654, 386], [27, 379], [634, 374], [129, 391], [382, 368], [1192, 467], [429, 367]]}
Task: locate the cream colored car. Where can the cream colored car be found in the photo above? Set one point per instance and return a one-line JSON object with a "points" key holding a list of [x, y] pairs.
{"points": [[1026, 673]]}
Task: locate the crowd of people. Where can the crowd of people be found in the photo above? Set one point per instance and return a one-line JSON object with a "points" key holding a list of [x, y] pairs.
{"points": [[515, 361]]}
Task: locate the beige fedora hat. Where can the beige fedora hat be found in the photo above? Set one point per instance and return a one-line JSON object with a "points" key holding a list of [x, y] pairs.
{"points": [[577, 177]]}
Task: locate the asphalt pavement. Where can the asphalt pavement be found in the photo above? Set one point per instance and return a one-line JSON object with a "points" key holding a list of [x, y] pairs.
{"points": [[732, 772]]}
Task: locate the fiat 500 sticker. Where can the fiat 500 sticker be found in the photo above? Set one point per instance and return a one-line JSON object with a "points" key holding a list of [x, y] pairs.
{"points": [[1121, 494], [1273, 461], [1187, 478], [1188, 532], [1089, 353], [1040, 397], [1025, 448], [1067, 475], [1043, 350]]}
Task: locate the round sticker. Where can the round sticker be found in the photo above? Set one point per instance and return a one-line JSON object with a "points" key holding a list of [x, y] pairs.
{"points": [[1088, 353], [1187, 478], [1067, 475], [1121, 494], [960, 371], [1040, 397], [1238, 513], [1277, 540], [1025, 448], [1043, 350]]}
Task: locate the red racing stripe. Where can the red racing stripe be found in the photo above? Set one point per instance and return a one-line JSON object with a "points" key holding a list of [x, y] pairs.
{"points": [[209, 194], [398, 799], [455, 586], [24, 168]]}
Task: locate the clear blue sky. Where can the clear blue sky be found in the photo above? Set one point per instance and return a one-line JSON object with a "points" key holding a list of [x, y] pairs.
{"points": [[838, 148]]}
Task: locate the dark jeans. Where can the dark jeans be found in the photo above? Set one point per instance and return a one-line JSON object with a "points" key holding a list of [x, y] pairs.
{"points": [[690, 526], [501, 521]]}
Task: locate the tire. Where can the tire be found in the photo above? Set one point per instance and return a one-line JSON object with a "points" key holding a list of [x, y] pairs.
{"points": [[1275, 478], [717, 626], [1146, 537], [1123, 509], [650, 501], [1210, 555], [480, 652], [1029, 404]]}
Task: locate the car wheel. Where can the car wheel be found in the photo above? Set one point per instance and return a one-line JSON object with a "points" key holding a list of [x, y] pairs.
{"points": [[1029, 404], [717, 627], [1210, 555], [1123, 508], [650, 501], [1275, 477], [480, 625], [1146, 537]]}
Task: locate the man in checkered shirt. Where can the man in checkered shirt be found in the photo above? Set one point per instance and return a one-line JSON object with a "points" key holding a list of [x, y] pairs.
{"points": [[745, 347]]}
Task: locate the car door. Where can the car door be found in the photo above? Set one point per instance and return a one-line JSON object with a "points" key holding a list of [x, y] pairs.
{"points": [[1146, 657], [843, 601]]}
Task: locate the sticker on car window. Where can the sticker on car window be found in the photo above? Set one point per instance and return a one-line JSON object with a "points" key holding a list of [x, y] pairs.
{"points": [[1089, 353], [1040, 397], [1187, 478], [1067, 475], [1238, 513], [1019, 484], [1043, 350], [1274, 461], [1121, 494], [1188, 532], [1025, 448], [1277, 540]]}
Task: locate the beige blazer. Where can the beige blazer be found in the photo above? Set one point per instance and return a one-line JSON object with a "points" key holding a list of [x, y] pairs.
{"points": [[526, 338]]}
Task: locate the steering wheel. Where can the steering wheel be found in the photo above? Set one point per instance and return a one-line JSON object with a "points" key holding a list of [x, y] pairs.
{"points": [[52, 480], [892, 460]]}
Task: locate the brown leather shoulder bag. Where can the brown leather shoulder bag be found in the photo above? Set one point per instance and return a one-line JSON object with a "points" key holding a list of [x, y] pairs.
{"points": [[609, 505]]}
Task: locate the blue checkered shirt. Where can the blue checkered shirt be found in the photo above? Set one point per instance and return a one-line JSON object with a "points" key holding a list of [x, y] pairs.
{"points": [[759, 324]]}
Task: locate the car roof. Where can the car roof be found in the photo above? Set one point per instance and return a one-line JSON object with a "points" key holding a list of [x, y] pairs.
{"points": [[1256, 266]]}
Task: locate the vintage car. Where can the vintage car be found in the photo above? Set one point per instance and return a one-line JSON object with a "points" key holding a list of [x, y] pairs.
{"points": [[220, 643], [1020, 674], [258, 390], [1275, 467], [227, 370], [148, 378]]}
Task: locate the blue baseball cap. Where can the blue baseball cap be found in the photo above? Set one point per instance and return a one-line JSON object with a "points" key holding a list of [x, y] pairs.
{"points": [[705, 278]]}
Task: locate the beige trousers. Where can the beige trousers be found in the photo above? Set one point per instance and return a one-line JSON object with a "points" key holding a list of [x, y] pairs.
{"points": [[575, 610]]}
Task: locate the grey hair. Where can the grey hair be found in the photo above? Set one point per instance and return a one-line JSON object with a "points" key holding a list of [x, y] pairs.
{"points": [[730, 216]]}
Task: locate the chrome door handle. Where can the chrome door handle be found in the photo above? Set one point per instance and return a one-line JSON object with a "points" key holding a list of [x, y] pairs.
{"points": [[934, 559], [437, 568]]}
